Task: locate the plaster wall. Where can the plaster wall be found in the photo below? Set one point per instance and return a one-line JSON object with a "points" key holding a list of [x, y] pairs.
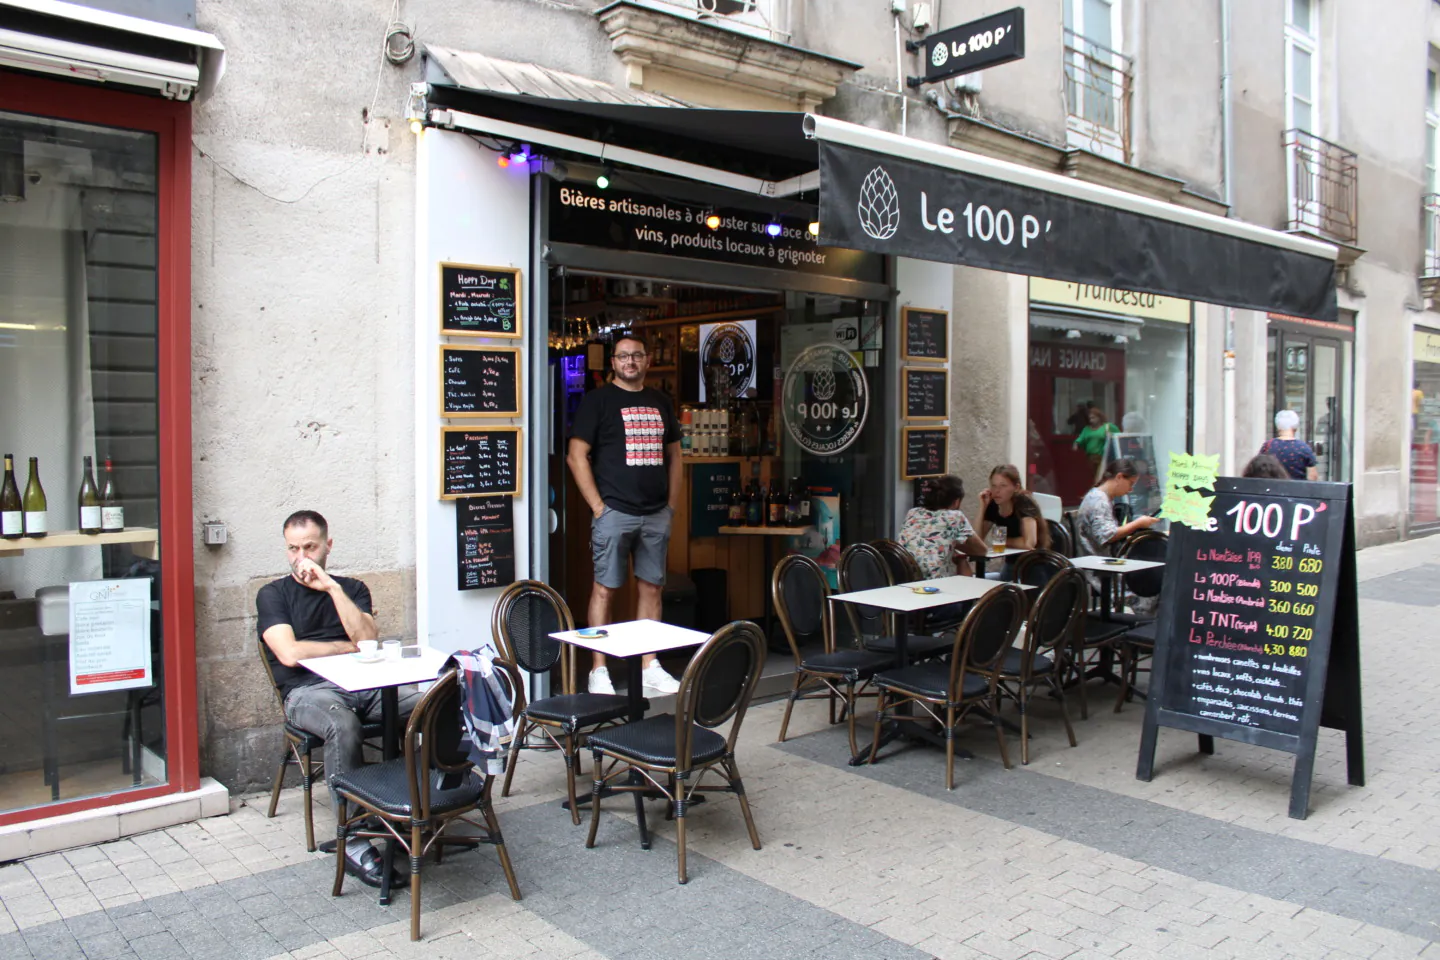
{"points": [[989, 336]]}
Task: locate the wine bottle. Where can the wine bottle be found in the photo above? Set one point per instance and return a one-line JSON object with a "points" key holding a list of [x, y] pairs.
{"points": [[35, 508], [89, 499], [775, 507], [737, 508], [12, 516], [754, 506], [112, 514], [792, 504]]}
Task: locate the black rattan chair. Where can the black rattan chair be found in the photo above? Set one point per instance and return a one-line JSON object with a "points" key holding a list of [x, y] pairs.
{"points": [[1060, 540], [1048, 632], [1038, 567], [1135, 646], [671, 754], [525, 616], [801, 595], [946, 694], [862, 567], [420, 796], [904, 568]]}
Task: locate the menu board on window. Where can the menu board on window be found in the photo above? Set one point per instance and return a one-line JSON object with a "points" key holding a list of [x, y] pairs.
{"points": [[479, 461], [479, 381], [479, 301], [924, 451], [926, 393], [924, 334], [484, 542], [110, 635], [1258, 635]]}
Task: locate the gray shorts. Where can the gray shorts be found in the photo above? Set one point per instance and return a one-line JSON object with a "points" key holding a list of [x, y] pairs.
{"points": [[616, 536]]}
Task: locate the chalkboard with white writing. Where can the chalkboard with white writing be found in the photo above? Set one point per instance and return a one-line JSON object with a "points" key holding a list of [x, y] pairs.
{"points": [[479, 301], [1258, 638], [924, 334], [478, 461], [479, 381], [484, 542], [924, 451], [926, 393]]}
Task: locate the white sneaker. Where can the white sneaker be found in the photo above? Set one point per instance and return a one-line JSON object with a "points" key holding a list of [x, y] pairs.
{"points": [[600, 681], [657, 682]]}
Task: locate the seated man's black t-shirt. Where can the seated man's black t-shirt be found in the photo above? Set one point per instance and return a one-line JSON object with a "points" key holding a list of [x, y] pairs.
{"points": [[310, 613], [627, 431]]}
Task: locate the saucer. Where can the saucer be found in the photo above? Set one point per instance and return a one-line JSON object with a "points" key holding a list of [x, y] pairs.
{"points": [[1114, 561], [592, 633], [925, 590], [375, 657]]}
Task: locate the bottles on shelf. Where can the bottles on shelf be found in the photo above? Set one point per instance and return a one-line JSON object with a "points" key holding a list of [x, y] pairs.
{"points": [[792, 503], [736, 516], [754, 506], [37, 523], [112, 514], [27, 515], [88, 499], [775, 507], [12, 516]]}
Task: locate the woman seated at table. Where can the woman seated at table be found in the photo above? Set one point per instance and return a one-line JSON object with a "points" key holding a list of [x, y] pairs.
{"points": [[1095, 520], [936, 531], [1006, 504]]}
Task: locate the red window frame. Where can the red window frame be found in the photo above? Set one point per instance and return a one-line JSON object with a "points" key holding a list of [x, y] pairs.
{"points": [[170, 121]]}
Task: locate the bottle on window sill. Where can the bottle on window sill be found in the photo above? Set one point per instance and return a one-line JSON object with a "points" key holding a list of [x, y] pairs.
{"points": [[37, 522], [88, 500], [112, 514], [12, 514]]}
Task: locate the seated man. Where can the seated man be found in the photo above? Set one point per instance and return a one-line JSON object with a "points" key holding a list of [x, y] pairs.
{"points": [[313, 614]]}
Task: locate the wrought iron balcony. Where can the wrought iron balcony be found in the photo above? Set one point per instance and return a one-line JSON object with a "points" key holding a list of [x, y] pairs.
{"points": [[1099, 83], [1323, 186], [1430, 209]]}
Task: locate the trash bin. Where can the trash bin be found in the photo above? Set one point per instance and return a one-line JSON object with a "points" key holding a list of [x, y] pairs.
{"points": [[677, 601], [712, 605]]}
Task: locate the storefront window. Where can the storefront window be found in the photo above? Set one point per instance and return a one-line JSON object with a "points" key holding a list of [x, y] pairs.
{"points": [[80, 634], [1309, 372], [1425, 434]]}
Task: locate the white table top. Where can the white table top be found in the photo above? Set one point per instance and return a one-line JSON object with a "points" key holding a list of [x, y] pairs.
{"points": [[1007, 552], [635, 638], [349, 673], [1107, 565], [902, 598]]}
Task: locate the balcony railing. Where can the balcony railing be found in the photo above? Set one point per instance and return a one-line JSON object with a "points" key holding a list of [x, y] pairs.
{"points": [[1324, 188], [1431, 213], [1099, 83], [769, 19]]}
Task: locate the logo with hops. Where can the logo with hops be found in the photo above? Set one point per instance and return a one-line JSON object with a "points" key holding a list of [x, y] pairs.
{"points": [[727, 360], [822, 380], [939, 54], [826, 398], [879, 205]]}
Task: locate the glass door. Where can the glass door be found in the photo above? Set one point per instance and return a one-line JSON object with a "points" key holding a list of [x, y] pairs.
{"points": [[1309, 374]]}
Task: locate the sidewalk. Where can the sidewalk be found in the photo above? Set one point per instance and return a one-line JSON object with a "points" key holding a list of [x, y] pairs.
{"points": [[1070, 857]]}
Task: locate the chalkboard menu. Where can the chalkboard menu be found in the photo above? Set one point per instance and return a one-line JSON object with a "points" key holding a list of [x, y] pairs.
{"points": [[479, 301], [484, 542], [483, 460], [479, 381], [711, 485], [927, 393], [924, 334], [1258, 639], [925, 451]]}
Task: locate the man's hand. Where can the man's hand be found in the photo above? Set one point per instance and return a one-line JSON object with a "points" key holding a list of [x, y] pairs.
{"points": [[598, 510], [309, 573]]}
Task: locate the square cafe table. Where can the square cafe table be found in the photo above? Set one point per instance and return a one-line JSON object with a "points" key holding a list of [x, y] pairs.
{"points": [[980, 559]]}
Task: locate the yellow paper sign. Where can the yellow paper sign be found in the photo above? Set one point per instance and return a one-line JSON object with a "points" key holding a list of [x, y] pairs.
{"points": [[1188, 474]]}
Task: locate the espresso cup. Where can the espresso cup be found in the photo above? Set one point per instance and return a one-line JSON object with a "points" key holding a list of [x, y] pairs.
{"points": [[367, 647], [390, 649]]}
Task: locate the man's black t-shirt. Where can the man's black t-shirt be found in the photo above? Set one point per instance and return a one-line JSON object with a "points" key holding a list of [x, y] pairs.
{"points": [[627, 431], [310, 613]]}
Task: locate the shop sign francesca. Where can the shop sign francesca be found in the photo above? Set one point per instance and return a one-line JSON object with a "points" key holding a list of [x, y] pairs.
{"points": [[825, 399]]}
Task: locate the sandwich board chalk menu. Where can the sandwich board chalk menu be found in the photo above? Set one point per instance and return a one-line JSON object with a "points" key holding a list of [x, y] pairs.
{"points": [[479, 381], [924, 334], [479, 461], [924, 451], [926, 392], [479, 301], [1258, 637], [484, 542]]}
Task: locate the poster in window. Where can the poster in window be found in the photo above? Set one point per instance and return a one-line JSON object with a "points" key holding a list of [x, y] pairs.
{"points": [[110, 635]]}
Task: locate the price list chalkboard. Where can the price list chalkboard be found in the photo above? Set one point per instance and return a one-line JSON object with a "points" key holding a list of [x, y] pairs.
{"points": [[927, 393], [484, 542], [479, 301], [924, 334], [479, 461], [1257, 639], [479, 381], [925, 451]]}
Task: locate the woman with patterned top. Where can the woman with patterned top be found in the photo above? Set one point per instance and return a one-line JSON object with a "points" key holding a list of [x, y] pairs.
{"points": [[1294, 455], [937, 530]]}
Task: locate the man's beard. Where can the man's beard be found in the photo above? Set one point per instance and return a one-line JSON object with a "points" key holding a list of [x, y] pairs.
{"points": [[638, 377]]}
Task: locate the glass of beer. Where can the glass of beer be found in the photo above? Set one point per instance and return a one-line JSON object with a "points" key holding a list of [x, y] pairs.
{"points": [[997, 539]]}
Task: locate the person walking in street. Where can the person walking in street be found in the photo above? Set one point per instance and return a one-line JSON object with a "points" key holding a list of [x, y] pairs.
{"points": [[1091, 440], [1294, 455], [625, 457]]}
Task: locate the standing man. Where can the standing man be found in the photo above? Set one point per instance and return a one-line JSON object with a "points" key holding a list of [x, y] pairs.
{"points": [[625, 456], [311, 613]]}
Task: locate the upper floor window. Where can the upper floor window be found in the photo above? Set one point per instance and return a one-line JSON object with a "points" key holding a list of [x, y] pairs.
{"points": [[769, 19], [1098, 79], [1302, 65]]}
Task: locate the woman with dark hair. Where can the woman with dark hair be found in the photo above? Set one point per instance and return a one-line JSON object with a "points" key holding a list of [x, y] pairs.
{"points": [[1006, 504], [1265, 467], [934, 531], [1095, 520]]}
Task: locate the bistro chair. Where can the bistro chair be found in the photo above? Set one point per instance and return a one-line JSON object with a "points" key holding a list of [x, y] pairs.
{"points": [[672, 754], [1060, 540], [299, 744], [1135, 646], [946, 694], [1041, 660], [862, 567], [1038, 567], [419, 797], [525, 616], [1147, 584], [801, 597], [904, 568]]}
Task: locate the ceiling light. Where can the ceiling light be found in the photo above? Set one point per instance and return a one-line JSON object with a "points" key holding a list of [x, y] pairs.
{"points": [[603, 181], [503, 161], [814, 228], [713, 222], [773, 228]]}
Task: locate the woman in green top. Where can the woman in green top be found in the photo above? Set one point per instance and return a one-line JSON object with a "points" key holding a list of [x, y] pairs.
{"points": [[1092, 439]]}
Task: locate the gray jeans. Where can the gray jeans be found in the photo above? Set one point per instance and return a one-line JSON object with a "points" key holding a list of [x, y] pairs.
{"points": [[336, 716]]}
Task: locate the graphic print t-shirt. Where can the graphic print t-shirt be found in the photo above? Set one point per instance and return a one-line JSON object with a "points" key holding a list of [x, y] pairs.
{"points": [[627, 432]]}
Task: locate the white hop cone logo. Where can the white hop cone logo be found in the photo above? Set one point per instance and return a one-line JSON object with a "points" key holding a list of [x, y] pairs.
{"points": [[879, 205], [822, 380], [727, 350], [940, 54]]}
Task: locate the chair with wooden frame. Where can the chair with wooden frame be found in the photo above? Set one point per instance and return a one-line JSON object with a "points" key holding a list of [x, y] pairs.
{"points": [[904, 568], [862, 567], [672, 754], [1042, 660], [1060, 539], [947, 693], [1138, 643], [418, 797], [1038, 567], [801, 596], [524, 617]]}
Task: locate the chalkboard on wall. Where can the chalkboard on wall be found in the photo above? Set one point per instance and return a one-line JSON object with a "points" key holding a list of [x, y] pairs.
{"points": [[926, 393], [479, 460], [479, 381], [484, 542], [478, 301], [924, 334], [1258, 635], [924, 451]]}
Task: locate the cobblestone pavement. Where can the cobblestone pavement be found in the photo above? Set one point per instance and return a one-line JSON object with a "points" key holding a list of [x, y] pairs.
{"points": [[1070, 857]]}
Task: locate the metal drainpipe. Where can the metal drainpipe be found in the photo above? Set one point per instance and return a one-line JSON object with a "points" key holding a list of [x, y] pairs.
{"points": [[1227, 374]]}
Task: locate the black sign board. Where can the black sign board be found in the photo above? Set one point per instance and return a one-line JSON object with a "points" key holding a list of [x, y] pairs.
{"points": [[479, 381], [479, 301], [483, 460], [919, 487], [925, 334], [987, 42], [484, 542], [926, 393], [925, 451], [909, 208], [1258, 636]]}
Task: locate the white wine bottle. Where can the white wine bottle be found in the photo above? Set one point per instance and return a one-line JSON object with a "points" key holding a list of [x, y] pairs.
{"points": [[12, 516], [112, 515], [89, 499], [36, 516]]}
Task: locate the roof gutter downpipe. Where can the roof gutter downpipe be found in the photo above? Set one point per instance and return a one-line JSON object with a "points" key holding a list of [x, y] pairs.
{"points": [[1227, 160]]}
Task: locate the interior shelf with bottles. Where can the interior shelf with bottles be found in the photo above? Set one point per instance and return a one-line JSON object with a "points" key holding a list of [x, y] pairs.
{"points": [[145, 541]]}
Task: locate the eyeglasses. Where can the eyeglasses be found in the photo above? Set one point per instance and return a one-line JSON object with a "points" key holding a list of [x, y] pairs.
{"points": [[625, 357]]}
